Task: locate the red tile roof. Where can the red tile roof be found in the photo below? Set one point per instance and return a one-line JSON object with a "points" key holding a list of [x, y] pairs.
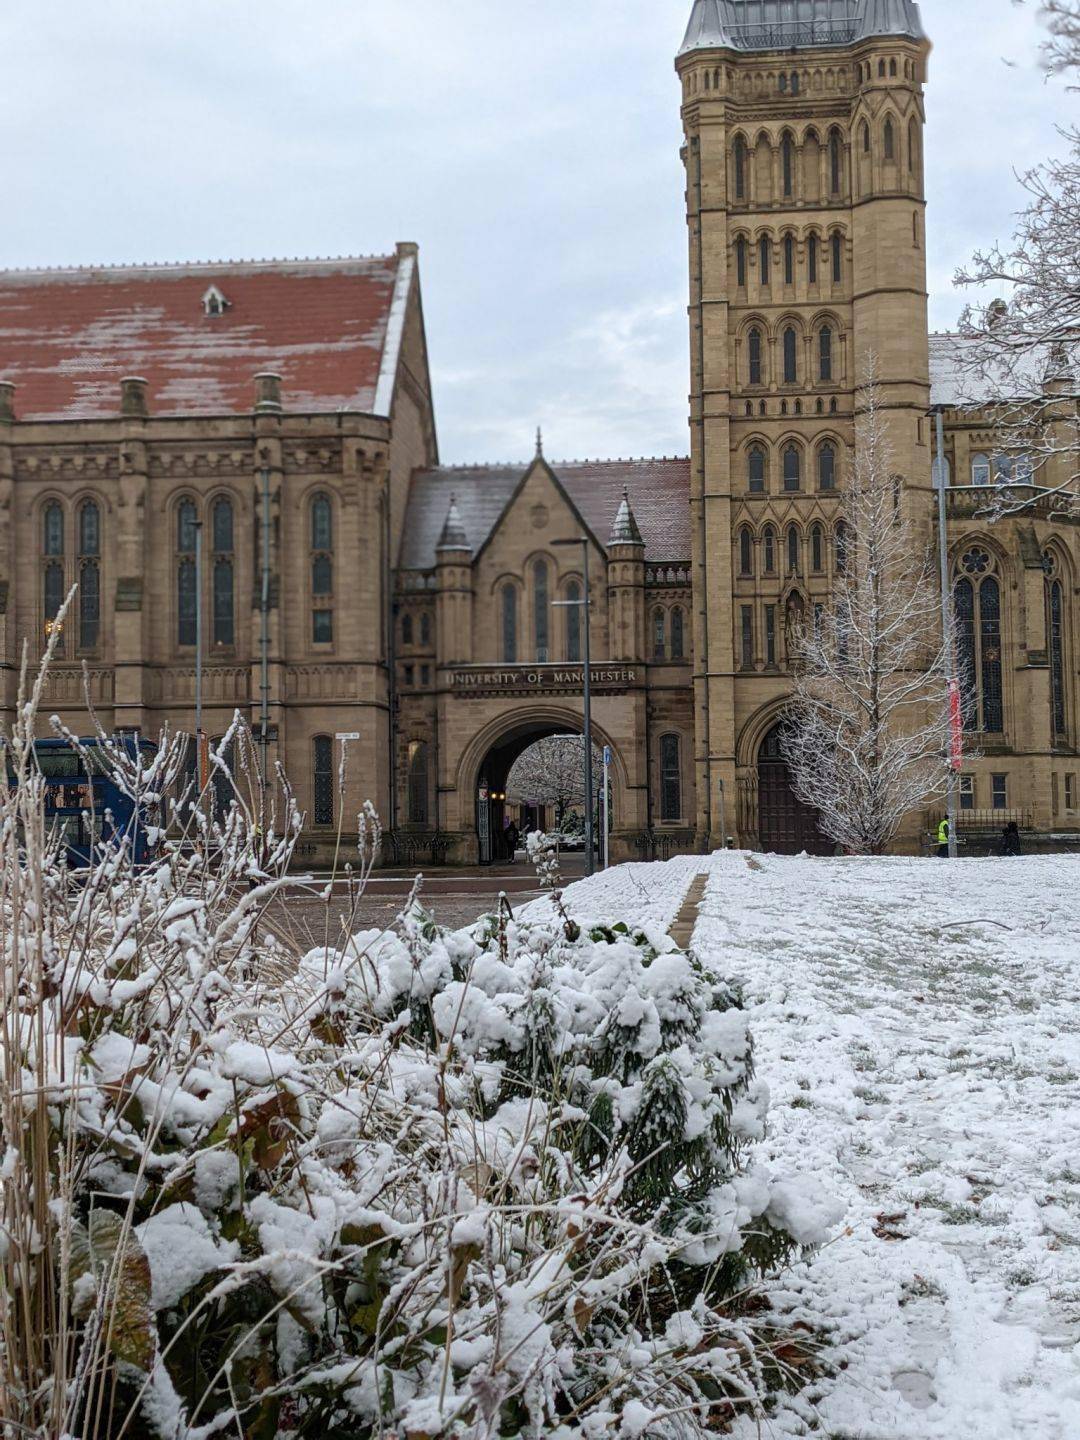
{"points": [[328, 327]]}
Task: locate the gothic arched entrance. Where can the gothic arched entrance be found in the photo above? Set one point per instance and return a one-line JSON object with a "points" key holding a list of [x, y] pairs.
{"points": [[494, 809], [785, 825]]}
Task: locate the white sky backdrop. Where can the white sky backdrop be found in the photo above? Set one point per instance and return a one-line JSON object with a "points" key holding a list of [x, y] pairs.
{"points": [[531, 148]]}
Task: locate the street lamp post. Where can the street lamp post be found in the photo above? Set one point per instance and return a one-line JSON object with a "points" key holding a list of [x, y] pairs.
{"points": [[583, 541], [941, 485]]}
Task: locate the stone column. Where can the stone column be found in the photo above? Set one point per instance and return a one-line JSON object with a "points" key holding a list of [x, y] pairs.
{"points": [[130, 647]]}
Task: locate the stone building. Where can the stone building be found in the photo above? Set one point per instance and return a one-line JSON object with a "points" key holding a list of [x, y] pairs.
{"points": [[434, 612], [139, 404], [804, 125]]}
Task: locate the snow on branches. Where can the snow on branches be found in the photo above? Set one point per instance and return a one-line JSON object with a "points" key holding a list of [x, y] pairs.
{"points": [[412, 1183], [867, 726], [1019, 357]]}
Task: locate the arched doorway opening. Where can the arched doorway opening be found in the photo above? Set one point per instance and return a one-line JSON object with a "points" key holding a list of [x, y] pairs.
{"points": [[785, 825], [537, 803]]}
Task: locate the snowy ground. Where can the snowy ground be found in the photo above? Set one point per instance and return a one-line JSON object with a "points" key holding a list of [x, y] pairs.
{"points": [[644, 894], [928, 1071]]}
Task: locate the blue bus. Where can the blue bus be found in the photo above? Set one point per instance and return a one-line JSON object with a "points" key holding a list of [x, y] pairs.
{"points": [[83, 800]]}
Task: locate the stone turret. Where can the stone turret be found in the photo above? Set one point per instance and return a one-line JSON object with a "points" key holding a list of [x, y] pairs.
{"points": [[626, 585], [453, 617]]}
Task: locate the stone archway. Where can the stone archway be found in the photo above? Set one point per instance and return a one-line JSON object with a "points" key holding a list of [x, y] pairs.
{"points": [[785, 825], [485, 767]]}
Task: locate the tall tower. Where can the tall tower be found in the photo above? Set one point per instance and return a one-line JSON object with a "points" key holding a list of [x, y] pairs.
{"points": [[805, 202]]}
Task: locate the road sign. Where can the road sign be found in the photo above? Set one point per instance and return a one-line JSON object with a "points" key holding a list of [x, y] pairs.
{"points": [[607, 754], [349, 735]]}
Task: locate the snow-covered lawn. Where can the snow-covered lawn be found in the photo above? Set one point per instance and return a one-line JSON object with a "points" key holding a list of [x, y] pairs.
{"points": [[928, 1071]]}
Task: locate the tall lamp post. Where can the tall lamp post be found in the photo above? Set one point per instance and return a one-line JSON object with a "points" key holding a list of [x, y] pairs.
{"points": [[941, 485], [200, 759], [583, 541]]}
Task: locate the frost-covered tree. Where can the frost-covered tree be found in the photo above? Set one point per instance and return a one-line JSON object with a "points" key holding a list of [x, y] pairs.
{"points": [[552, 772], [1020, 356], [867, 727]]}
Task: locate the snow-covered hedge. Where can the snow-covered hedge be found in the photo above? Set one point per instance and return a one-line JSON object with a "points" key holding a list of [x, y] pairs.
{"points": [[414, 1184]]}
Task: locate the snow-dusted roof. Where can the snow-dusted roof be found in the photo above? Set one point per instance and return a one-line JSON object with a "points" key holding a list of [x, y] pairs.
{"points": [[797, 24], [957, 380], [332, 329], [659, 490]]}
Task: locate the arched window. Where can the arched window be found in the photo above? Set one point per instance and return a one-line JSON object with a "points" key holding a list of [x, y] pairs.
{"points": [[1055, 638], [425, 629], [573, 621], [89, 575], [756, 471], [792, 468], [825, 353], [221, 534], [841, 547], [541, 612], [787, 161], [746, 551], [865, 138], [322, 571], [768, 549], [977, 599], [418, 783], [53, 579], [789, 259], [980, 470], [836, 161], [670, 779], [407, 630], [791, 356], [881, 69], [837, 258], [678, 639], [892, 67], [322, 769], [889, 139], [659, 640], [740, 168], [812, 259], [740, 262], [817, 549], [509, 624], [826, 466], [754, 351], [793, 548], [186, 599], [764, 259]]}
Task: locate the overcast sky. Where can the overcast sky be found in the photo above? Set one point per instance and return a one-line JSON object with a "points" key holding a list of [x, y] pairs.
{"points": [[532, 149]]}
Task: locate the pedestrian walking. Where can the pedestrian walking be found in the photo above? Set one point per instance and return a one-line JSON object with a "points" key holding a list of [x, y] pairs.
{"points": [[943, 839], [1010, 840]]}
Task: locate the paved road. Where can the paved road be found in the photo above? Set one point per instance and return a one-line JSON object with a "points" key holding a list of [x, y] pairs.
{"points": [[455, 898]]}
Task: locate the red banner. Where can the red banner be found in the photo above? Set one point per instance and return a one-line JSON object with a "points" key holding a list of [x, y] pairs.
{"points": [[956, 726]]}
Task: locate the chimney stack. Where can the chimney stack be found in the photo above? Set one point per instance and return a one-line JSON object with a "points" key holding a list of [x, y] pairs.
{"points": [[133, 403], [268, 393]]}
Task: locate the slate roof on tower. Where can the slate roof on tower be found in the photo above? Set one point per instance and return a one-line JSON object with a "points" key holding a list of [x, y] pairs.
{"points": [[796, 24], [659, 491], [199, 334]]}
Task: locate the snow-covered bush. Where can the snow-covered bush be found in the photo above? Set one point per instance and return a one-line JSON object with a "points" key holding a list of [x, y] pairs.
{"points": [[413, 1184]]}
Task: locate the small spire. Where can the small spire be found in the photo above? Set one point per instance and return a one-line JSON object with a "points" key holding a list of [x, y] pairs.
{"points": [[625, 529], [454, 535], [539, 443]]}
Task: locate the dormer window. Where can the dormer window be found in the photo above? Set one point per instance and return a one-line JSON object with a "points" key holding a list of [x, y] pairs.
{"points": [[214, 302]]}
